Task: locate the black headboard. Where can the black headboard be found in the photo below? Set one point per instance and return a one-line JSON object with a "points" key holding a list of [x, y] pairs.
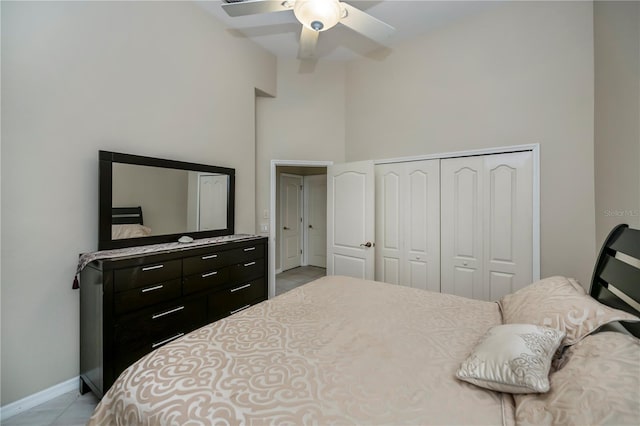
{"points": [[613, 276], [126, 215]]}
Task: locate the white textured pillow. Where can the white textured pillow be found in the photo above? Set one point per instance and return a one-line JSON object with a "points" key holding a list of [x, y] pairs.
{"points": [[561, 303], [513, 358], [599, 385]]}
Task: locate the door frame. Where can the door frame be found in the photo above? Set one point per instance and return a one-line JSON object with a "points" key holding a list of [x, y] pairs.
{"points": [[272, 211]]}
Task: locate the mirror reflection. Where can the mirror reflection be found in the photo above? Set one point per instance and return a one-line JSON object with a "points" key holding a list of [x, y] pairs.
{"points": [[151, 201]]}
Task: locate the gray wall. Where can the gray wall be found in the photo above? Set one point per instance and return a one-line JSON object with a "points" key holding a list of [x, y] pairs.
{"points": [[306, 121], [161, 79], [617, 115], [518, 73]]}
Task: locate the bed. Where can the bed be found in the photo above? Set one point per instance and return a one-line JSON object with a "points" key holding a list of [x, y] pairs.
{"points": [[127, 222], [349, 351]]}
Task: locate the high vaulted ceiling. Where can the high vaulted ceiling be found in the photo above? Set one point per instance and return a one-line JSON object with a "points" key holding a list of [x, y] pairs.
{"points": [[279, 32]]}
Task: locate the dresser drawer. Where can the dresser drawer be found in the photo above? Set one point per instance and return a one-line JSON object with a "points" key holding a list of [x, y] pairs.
{"points": [[125, 355], [155, 323], [142, 297], [210, 261], [137, 335], [143, 275], [245, 254], [209, 280], [236, 298], [247, 270]]}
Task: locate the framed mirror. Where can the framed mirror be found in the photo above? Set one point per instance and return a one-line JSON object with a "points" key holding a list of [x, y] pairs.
{"points": [[146, 200]]}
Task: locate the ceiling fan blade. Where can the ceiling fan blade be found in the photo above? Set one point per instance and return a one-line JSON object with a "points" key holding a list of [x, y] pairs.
{"points": [[366, 24], [308, 42], [254, 7]]}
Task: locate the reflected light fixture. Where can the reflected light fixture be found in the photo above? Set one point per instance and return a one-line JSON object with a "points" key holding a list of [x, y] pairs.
{"points": [[318, 15]]}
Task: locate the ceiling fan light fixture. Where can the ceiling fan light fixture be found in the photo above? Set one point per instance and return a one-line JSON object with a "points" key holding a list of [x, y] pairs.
{"points": [[318, 15]]}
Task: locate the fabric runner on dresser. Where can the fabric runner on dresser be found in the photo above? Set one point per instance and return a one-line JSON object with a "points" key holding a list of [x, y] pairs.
{"points": [[86, 258]]}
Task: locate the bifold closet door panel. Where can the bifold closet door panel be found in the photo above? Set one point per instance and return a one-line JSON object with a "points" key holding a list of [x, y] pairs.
{"points": [[461, 191], [421, 249], [508, 223], [389, 230], [487, 224], [408, 224]]}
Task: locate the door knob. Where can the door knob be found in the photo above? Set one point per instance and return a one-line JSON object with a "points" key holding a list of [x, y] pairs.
{"points": [[310, 227], [367, 244], [284, 227]]}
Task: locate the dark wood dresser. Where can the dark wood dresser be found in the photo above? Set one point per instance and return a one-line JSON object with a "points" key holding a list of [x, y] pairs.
{"points": [[132, 305]]}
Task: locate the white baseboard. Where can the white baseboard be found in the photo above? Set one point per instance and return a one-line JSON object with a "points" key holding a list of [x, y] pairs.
{"points": [[38, 398]]}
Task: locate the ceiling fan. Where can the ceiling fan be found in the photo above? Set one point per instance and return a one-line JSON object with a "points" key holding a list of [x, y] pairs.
{"points": [[315, 16]]}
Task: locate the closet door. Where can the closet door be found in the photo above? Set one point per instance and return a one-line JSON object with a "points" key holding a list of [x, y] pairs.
{"points": [[408, 224], [487, 224], [390, 179], [421, 218], [461, 185], [508, 223]]}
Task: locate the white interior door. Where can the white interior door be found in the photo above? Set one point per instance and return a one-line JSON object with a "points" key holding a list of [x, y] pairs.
{"points": [[487, 224], [390, 179], [350, 219], [461, 207], [212, 202], [408, 224], [508, 223], [315, 196], [422, 225], [291, 221]]}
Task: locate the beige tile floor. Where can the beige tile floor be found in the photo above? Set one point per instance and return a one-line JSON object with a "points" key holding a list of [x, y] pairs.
{"points": [[71, 408], [296, 277]]}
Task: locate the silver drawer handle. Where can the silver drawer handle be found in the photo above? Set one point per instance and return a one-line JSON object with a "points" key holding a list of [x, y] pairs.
{"points": [[211, 256], [241, 287], [151, 268], [161, 314], [250, 264], [249, 248], [209, 274], [158, 287], [239, 309], [155, 345]]}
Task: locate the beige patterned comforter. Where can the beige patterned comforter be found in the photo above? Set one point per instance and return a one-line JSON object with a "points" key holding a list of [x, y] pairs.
{"points": [[338, 350]]}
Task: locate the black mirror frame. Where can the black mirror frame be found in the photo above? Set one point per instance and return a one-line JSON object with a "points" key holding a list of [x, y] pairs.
{"points": [[106, 160]]}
